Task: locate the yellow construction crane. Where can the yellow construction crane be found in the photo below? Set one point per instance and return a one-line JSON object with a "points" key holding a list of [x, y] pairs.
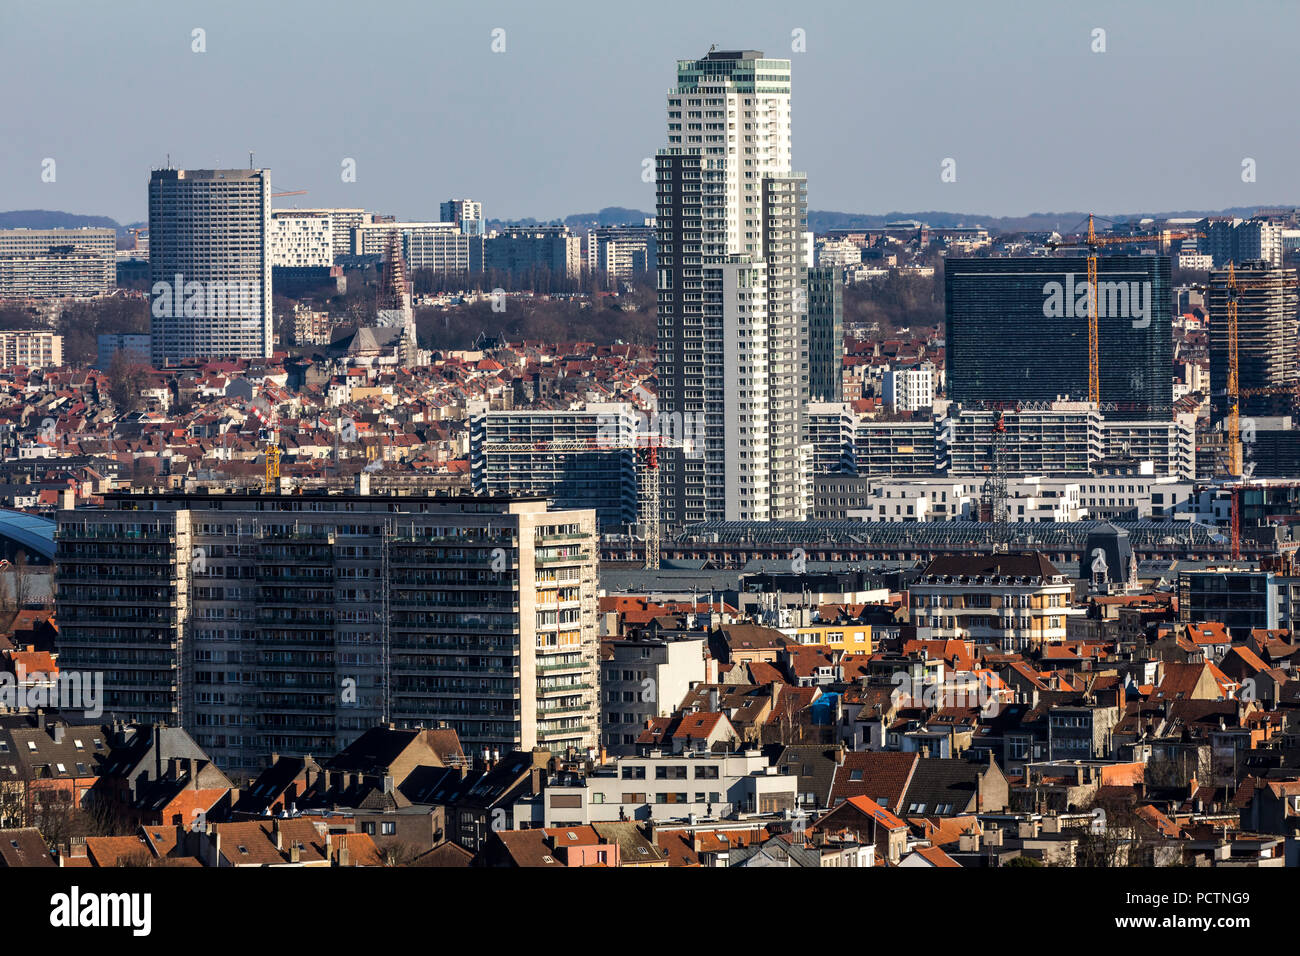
{"points": [[272, 466], [271, 423], [1234, 392], [1092, 242]]}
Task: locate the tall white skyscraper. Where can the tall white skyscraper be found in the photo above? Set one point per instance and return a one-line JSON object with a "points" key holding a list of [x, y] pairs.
{"points": [[209, 264], [733, 300]]}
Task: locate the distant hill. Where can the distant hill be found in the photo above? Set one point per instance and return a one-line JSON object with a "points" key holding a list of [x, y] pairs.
{"points": [[820, 221], [609, 216], [51, 219]]}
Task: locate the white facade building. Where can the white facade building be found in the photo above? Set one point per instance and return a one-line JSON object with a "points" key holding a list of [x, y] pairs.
{"points": [[1034, 498], [302, 239], [909, 389], [841, 253], [438, 246], [732, 282], [342, 221]]}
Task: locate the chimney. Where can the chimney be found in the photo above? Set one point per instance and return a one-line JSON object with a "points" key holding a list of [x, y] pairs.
{"points": [[57, 731], [276, 835], [295, 853], [535, 781]]}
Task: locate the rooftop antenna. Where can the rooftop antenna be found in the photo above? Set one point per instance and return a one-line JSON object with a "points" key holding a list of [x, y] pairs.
{"points": [[250, 159]]}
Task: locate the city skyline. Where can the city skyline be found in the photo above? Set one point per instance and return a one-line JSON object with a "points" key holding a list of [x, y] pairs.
{"points": [[524, 154]]}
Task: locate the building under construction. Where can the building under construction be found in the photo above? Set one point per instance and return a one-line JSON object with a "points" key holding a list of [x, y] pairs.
{"points": [[1017, 331], [578, 458], [1267, 331]]}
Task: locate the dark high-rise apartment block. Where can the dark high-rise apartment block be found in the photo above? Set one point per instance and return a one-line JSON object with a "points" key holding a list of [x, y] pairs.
{"points": [[576, 458], [1266, 340], [825, 334], [1018, 331], [266, 623], [538, 248]]}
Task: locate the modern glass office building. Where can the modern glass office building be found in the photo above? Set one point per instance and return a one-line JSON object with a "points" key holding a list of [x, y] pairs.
{"points": [[1018, 331]]}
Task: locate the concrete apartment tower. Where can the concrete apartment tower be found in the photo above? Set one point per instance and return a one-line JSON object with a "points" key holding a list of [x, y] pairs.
{"points": [[294, 623], [209, 264], [733, 298]]}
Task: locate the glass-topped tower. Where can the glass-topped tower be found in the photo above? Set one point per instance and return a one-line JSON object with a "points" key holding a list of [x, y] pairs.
{"points": [[733, 296]]}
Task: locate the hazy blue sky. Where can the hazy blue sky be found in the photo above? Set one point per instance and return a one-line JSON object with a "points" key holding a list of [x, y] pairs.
{"points": [[560, 122]]}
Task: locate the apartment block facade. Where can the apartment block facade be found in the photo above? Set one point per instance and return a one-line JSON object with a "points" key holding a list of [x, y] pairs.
{"points": [[34, 349], [436, 246], [575, 457], [301, 239], [546, 248], [645, 678], [292, 623], [1011, 602], [660, 787], [621, 251], [209, 264], [53, 263]]}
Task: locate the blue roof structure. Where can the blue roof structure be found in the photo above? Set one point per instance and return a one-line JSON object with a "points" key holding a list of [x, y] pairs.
{"points": [[30, 532]]}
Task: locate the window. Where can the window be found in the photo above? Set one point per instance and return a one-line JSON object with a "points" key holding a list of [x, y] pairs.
{"points": [[388, 828]]}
